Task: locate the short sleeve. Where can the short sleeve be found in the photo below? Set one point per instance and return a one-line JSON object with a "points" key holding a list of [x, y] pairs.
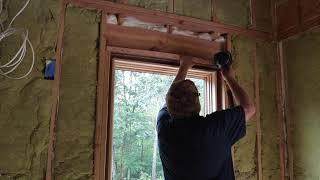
{"points": [[235, 124], [163, 118], [231, 122]]}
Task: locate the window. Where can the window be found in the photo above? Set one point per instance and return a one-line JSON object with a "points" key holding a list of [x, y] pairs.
{"points": [[139, 93], [137, 69]]}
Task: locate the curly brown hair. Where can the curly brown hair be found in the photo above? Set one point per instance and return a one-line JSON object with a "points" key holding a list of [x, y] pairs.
{"points": [[183, 99]]}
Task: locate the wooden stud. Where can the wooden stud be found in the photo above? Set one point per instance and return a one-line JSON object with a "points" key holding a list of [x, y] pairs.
{"points": [[101, 114], [110, 121], [136, 38], [258, 115], [286, 117], [171, 6], [56, 94], [280, 106], [253, 19], [183, 22], [213, 11], [274, 18], [228, 97]]}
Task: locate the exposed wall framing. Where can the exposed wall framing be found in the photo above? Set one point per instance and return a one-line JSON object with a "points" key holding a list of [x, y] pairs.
{"points": [[253, 21], [171, 19], [296, 16], [111, 35], [56, 93], [258, 116], [281, 108], [102, 106], [286, 148], [157, 41]]}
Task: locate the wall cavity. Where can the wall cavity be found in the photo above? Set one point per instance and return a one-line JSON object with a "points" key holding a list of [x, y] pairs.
{"points": [[25, 105], [76, 117], [233, 12], [303, 68], [244, 151], [270, 125]]}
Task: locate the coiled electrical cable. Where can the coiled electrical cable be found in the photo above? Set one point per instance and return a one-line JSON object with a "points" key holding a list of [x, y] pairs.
{"points": [[9, 67]]}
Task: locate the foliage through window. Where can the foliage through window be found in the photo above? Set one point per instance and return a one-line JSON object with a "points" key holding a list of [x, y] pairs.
{"points": [[138, 98]]}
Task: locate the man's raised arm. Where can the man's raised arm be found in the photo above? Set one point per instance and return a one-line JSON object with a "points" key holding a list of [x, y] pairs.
{"points": [[239, 94], [186, 63]]}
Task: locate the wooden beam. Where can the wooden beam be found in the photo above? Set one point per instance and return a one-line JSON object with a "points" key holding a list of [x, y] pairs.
{"points": [[100, 148], [136, 38], [274, 18], [280, 106], [183, 22], [110, 116], [213, 11], [55, 93], [253, 19], [258, 114], [171, 6], [157, 57], [159, 68], [287, 129]]}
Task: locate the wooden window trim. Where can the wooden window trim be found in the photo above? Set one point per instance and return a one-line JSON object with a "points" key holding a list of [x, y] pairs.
{"points": [[208, 76], [113, 60]]}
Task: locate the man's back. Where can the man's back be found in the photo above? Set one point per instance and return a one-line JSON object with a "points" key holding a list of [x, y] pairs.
{"points": [[199, 148]]}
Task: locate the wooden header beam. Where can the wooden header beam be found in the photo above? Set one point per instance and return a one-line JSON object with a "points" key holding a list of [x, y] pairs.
{"points": [[182, 22], [136, 38]]}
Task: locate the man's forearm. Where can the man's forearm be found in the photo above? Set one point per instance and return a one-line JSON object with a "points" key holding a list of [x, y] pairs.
{"points": [[241, 97], [182, 73]]}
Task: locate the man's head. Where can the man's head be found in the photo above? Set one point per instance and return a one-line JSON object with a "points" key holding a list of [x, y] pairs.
{"points": [[183, 99]]}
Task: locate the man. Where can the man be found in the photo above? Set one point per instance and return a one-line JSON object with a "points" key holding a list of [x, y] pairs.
{"points": [[193, 147]]}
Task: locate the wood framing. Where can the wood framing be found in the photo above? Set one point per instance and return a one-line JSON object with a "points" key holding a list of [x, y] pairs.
{"points": [[258, 115], [149, 47], [113, 60], [274, 18], [137, 38], [145, 67], [213, 11], [55, 94], [183, 22], [151, 56], [100, 148], [287, 151], [141, 66], [287, 18], [309, 14], [110, 123], [280, 106], [220, 93], [253, 21], [296, 16], [171, 6]]}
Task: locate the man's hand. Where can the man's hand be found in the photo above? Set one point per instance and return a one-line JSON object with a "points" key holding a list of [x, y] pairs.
{"points": [[186, 61]]}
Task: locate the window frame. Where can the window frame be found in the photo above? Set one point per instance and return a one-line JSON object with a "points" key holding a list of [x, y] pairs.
{"points": [[141, 61]]}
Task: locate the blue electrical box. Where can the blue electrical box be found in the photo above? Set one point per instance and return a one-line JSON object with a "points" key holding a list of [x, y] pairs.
{"points": [[50, 69]]}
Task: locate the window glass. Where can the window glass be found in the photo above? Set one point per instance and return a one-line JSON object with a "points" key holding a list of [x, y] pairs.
{"points": [[138, 98]]}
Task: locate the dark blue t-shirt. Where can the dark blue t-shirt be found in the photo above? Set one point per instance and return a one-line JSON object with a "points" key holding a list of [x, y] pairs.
{"points": [[199, 148]]}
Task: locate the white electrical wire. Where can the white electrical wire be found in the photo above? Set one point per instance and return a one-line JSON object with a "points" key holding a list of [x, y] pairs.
{"points": [[17, 59]]}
